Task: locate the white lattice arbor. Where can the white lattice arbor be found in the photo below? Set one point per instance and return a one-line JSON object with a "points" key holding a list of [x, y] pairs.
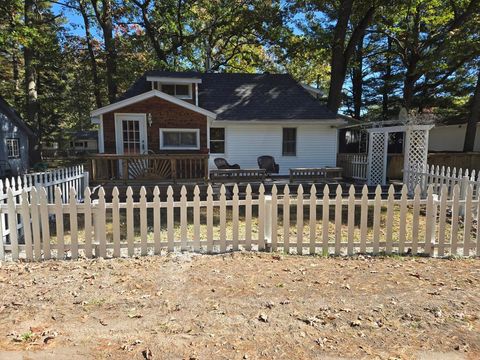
{"points": [[415, 153]]}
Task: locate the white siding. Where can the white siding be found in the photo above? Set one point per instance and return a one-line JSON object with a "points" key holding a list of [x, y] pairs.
{"points": [[450, 138], [316, 145]]}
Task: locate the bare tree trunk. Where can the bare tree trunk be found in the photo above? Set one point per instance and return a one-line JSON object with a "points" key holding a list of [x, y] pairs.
{"points": [[16, 77], [473, 118], [357, 80], [30, 73], [341, 53], [338, 67], [91, 53], [387, 78], [105, 20]]}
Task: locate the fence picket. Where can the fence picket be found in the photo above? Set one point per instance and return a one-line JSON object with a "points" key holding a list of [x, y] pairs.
{"points": [[338, 220], [130, 224], [415, 220], [389, 223], [454, 228], [196, 218], [157, 220], [88, 221], [12, 224], [170, 220], [477, 218], [223, 220], [261, 218], [299, 219], [101, 217], [209, 219], [286, 219], [73, 223], [376, 219], [351, 220], [45, 223], [430, 222], [235, 215], [402, 231], [442, 220], [59, 226], [37, 242], [313, 218], [325, 220], [248, 218], [364, 220], [25, 211], [467, 221], [274, 217], [143, 221]]}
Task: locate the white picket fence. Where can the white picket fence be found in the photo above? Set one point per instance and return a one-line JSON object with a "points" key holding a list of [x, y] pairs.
{"points": [[301, 223], [438, 176], [63, 178]]}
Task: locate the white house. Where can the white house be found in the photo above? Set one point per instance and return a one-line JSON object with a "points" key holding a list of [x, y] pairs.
{"points": [[238, 117]]}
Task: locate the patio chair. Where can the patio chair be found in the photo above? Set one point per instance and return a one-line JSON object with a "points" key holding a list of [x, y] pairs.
{"points": [[222, 164], [268, 163]]}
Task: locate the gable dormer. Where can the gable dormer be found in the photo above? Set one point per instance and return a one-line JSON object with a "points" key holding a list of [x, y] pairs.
{"points": [[179, 87]]}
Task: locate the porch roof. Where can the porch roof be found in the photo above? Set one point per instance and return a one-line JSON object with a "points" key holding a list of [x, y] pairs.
{"points": [[148, 95]]}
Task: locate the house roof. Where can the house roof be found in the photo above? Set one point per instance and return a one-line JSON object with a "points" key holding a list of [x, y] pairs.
{"points": [[234, 96], [14, 116]]}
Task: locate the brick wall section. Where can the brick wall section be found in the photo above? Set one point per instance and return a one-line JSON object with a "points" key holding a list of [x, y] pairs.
{"points": [[164, 115]]}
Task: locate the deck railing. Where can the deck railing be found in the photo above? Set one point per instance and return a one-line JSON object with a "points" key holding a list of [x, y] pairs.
{"points": [[354, 165], [149, 167]]}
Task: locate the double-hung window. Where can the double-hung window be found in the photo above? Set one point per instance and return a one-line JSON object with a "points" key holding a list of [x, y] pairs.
{"points": [[217, 140], [289, 143], [13, 148], [180, 139]]}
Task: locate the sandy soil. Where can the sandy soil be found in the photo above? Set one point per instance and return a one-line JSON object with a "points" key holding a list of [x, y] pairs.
{"points": [[241, 306]]}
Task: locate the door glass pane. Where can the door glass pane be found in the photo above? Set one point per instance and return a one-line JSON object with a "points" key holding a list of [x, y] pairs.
{"points": [[131, 136]]}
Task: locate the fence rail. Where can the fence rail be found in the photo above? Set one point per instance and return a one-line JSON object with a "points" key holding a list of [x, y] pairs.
{"points": [[301, 224]]}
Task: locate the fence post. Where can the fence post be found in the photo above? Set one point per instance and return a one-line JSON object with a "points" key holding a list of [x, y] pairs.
{"points": [[463, 194], [268, 223], [86, 182]]}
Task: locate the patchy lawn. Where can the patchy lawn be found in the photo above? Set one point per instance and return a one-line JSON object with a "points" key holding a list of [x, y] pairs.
{"points": [[241, 305]]}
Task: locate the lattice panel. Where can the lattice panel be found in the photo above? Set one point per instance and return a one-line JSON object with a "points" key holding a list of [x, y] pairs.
{"points": [[376, 174], [415, 157]]}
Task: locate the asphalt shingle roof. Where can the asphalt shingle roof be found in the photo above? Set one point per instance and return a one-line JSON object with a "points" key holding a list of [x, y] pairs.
{"points": [[234, 96]]}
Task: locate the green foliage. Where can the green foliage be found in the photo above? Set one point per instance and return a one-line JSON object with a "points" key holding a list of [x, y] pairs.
{"points": [[428, 47]]}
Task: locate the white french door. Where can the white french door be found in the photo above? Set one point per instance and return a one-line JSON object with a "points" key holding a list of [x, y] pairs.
{"points": [[131, 134]]}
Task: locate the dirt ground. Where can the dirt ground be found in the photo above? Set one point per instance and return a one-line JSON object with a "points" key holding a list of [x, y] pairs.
{"points": [[241, 306]]}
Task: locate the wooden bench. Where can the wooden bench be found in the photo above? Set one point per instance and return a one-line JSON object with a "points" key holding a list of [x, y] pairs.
{"points": [[315, 174], [237, 175]]}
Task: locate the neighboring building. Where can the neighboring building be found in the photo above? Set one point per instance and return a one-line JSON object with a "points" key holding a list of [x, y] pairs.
{"points": [[15, 139], [84, 141], [235, 116], [450, 136]]}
